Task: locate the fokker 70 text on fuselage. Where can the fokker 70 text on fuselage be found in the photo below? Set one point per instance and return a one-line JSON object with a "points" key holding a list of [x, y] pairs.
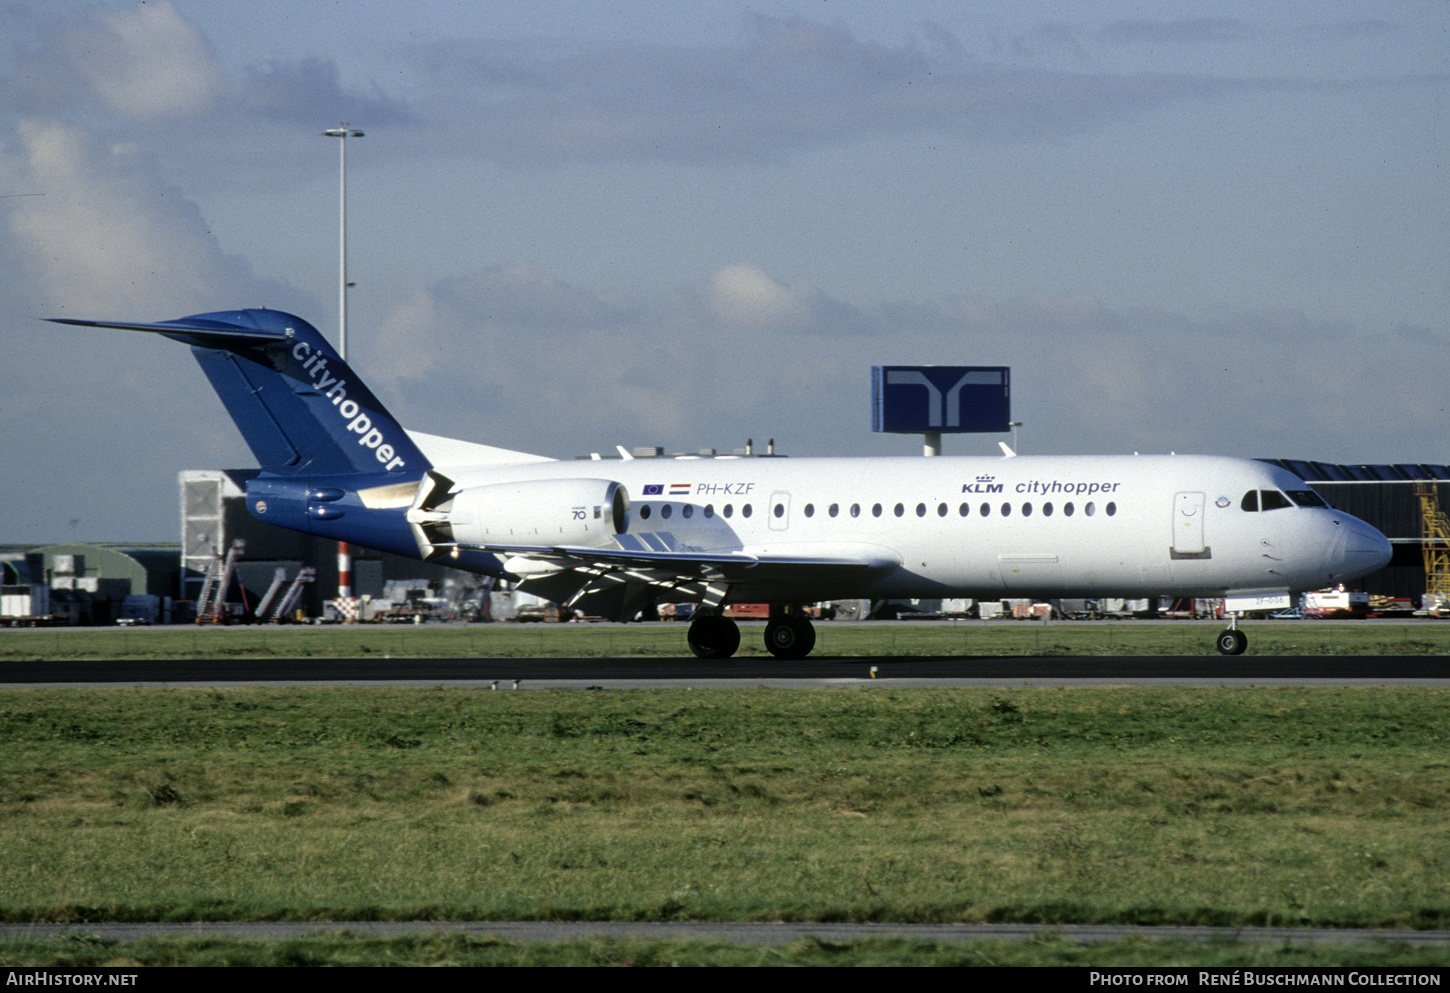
{"points": [[613, 538]]}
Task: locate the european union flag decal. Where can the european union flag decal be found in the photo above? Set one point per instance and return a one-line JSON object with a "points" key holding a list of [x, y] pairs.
{"points": [[654, 489]]}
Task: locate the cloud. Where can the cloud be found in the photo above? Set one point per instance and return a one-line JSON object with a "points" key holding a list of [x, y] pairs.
{"points": [[108, 235], [517, 348], [1184, 31], [306, 90], [147, 63], [789, 84], [742, 296], [107, 239], [517, 357]]}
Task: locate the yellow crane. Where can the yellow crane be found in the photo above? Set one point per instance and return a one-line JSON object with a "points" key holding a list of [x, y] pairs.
{"points": [[1435, 541]]}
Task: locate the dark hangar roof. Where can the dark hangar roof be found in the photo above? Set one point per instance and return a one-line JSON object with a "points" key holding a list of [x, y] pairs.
{"points": [[1325, 472]]}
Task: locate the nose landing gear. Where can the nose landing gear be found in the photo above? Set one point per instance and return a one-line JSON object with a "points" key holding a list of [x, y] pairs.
{"points": [[1232, 641]]}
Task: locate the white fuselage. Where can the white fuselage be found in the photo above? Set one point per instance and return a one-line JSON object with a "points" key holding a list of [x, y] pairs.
{"points": [[1029, 526]]}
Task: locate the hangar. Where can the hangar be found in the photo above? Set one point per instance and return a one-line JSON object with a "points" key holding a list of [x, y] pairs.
{"points": [[1405, 502]]}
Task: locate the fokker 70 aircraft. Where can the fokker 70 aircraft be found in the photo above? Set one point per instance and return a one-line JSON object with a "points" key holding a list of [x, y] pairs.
{"points": [[615, 537]]}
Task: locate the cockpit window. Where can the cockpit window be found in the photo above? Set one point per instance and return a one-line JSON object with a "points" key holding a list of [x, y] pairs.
{"points": [[1274, 500], [1307, 498]]}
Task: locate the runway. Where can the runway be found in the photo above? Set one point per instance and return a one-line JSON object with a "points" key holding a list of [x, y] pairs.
{"points": [[737, 932], [626, 673]]}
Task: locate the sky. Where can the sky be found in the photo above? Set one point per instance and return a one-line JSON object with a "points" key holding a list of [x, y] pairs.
{"points": [[1192, 227]]}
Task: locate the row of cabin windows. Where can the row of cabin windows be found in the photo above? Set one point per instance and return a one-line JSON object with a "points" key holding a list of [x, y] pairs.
{"points": [[1253, 500], [834, 510], [963, 510], [1256, 500]]}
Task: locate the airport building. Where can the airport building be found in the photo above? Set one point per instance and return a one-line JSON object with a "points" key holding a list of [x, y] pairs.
{"points": [[1405, 502]]}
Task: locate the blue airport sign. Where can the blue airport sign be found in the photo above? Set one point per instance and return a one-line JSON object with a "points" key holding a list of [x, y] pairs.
{"points": [[950, 399]]}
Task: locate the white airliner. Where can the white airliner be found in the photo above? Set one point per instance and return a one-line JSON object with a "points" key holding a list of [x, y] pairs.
{"points": [[615, 537]]}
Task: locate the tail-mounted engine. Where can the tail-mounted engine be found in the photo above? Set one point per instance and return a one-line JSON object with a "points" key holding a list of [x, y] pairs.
{"points": [[587, 512]]}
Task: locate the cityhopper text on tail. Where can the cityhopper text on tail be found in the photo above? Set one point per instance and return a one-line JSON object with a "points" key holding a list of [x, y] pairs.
{"points": [[613, 537]]}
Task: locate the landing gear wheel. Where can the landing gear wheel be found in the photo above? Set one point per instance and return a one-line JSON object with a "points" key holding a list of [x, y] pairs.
{"points": [[1232, 642], [713, 637], [790, 637]]}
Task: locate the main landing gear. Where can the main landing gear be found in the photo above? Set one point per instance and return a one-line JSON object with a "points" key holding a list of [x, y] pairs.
{"points": [[788, 635], [713, 636]]}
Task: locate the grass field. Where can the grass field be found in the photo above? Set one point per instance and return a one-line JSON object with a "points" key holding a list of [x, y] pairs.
{"points": [[966, 638], [1196, 806]]}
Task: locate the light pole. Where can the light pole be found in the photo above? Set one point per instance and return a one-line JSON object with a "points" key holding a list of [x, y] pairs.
{"points": [[343, 132]]}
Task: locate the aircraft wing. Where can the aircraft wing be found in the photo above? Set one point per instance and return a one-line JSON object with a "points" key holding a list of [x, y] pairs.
{"points": [[649, 564]]}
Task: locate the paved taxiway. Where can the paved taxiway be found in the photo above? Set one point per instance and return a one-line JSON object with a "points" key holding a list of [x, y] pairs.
{"points": [[741, 932], [617, 673]]}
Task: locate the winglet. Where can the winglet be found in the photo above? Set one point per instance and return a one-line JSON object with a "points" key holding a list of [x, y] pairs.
{"points": [[1007, 453]]}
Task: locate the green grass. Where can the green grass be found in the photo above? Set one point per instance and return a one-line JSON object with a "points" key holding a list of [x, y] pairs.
{"points": [[967, 638], [1167, 806]]}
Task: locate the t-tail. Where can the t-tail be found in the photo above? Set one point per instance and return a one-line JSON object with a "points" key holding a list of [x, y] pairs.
{"points": [[334, 461]]}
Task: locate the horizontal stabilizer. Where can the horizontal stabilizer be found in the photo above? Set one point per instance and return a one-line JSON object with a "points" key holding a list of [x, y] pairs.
{"points": [[207, 329]]}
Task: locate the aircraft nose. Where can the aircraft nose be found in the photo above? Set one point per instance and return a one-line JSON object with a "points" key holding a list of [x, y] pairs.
{"points": [[1365, 549]]}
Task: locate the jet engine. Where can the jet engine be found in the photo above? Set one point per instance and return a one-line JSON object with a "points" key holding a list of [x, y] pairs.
{"points": [[548, 512]]}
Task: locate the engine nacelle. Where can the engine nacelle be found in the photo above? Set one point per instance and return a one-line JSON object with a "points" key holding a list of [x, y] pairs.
{"points": [[584, 512]]}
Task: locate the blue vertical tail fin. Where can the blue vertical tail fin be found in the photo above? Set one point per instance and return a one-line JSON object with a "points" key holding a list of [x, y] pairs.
{"points": [[301, 409]]}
